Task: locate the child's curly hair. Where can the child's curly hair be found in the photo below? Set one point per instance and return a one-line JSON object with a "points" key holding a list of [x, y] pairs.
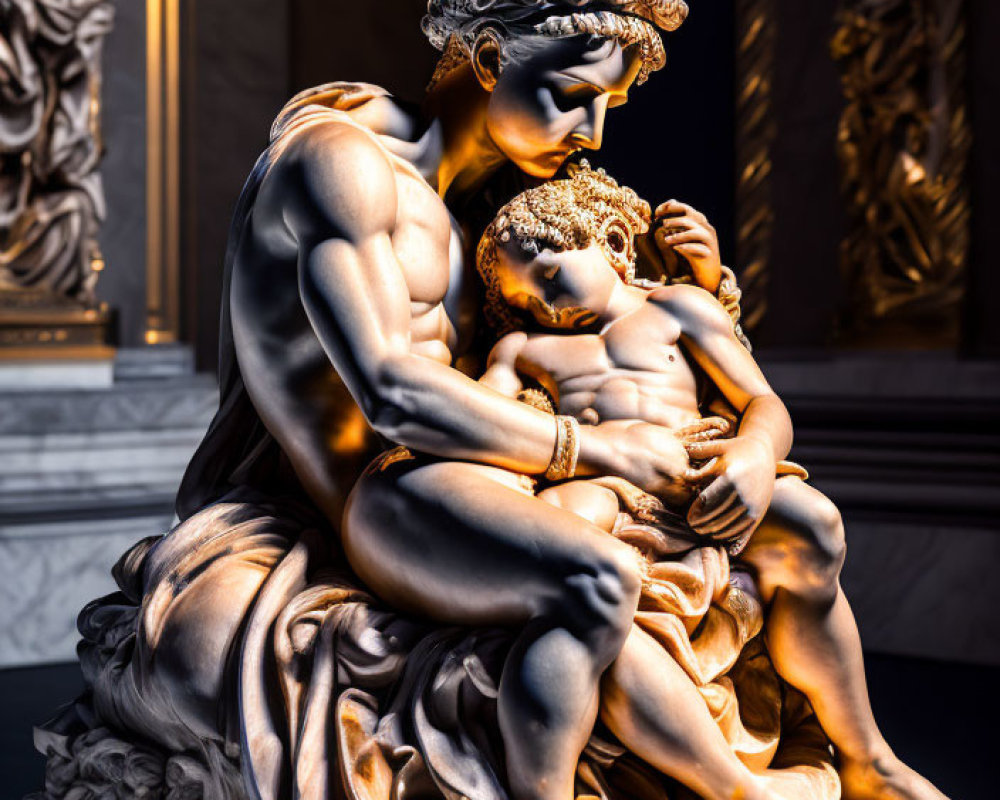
{"points": [[587, 208]]}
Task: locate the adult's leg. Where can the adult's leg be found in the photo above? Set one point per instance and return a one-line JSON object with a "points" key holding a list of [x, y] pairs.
{"points": [[651, 704], [463, 544], [797, 555], [654, 709]]}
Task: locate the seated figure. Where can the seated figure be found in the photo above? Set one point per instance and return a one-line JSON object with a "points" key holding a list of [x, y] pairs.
{"points": [[584, 341], [243, 657]]}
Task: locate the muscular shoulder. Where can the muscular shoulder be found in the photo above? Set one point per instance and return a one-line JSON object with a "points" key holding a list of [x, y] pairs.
{"points": [[695, 310], [333, 180]]}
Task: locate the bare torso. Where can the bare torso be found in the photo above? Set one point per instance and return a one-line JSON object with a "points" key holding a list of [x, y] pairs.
{"points": [[634, 369], [289, 375]]}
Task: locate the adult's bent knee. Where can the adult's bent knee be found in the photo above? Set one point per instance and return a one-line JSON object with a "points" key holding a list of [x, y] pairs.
{"points": [[801, 547], [828, 538], [599, 598]]}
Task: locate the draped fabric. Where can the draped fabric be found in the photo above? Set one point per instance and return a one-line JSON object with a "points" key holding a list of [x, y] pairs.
{"points": [[51, 197], [336, 696]]}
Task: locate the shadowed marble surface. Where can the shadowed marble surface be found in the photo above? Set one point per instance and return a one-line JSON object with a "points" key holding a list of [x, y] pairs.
{"points": [[84, 475]]}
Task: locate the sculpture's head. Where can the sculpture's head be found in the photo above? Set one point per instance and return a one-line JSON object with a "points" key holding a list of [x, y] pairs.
{"points": [[552, 68], [555, 253]]}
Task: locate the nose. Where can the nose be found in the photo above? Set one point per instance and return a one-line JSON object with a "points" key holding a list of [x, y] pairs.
{"points": [[589, 134]]}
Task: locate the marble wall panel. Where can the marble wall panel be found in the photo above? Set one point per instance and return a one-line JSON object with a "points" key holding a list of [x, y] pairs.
{"points": [[924, 590], [48, 573], [84, 475]]}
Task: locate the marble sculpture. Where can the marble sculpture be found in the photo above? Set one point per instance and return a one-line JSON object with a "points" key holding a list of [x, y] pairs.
{"points": [[496, 502]]}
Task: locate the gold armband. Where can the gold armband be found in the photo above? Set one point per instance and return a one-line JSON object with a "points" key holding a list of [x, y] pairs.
{"points": [[567, 450]]}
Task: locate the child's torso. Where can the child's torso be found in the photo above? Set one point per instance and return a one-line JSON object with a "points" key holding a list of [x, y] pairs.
{"points": [[635, 369]]}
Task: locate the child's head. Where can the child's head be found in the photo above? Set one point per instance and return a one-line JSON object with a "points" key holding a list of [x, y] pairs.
{"points": [[557, 251]]}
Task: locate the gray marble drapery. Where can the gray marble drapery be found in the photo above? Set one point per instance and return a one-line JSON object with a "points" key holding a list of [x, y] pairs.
{"points": [[308, 687], [51, 198]]}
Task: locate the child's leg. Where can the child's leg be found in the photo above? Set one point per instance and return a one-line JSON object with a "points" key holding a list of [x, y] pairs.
{"points": [[797, 555]]}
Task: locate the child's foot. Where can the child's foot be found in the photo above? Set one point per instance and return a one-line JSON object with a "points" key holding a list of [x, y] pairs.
{"points": [[885, 779]]}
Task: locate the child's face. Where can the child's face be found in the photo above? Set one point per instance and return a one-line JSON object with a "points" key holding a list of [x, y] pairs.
{"points": [[569, 289]]}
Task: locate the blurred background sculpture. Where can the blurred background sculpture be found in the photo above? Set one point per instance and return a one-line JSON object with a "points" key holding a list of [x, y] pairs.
{"points": [[904, 145], [51, 197]]}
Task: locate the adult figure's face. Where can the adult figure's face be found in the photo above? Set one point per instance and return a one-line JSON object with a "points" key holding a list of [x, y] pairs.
{"points": [[552, 103]]}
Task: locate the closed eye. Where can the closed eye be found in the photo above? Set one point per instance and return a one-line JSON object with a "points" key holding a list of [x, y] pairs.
{"points": [[568, 95]]}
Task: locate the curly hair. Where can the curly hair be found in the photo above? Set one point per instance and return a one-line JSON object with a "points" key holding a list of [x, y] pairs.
{"points": [[587, 208], [516, 26]]}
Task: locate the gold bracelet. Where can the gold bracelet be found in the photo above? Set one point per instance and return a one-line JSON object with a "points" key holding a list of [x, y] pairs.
{"points": [[567, 450]]}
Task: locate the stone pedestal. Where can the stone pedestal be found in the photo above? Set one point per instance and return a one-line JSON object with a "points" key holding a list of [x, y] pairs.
{"points": [[52, 342], [84, 474]]}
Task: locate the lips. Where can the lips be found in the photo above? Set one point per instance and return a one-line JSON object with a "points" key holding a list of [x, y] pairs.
{"points": [[573, 318]]}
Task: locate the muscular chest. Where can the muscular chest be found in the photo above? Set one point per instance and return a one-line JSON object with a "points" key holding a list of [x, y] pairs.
{"points": [[422, 241], [618, 372], [428, 247]]}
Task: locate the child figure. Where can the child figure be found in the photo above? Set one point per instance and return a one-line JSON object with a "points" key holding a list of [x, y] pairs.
{"points": [[583, 339]]}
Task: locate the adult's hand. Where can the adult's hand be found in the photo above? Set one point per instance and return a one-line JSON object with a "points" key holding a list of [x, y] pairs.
{"points": [[651, 457]]}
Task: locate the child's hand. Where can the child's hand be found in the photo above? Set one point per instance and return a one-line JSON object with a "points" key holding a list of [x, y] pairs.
{"points": [[684, 231], [738, 485]]}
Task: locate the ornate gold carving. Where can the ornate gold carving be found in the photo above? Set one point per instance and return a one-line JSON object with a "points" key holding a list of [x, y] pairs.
{"points": [[904, 143], [755, 132]]}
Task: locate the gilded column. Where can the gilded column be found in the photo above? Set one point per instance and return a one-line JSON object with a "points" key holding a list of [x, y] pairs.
{"points": [[163, 48]]}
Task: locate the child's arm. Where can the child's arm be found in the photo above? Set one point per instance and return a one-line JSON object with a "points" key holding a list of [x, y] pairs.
{"points": [[501, 368], [743, 474]]}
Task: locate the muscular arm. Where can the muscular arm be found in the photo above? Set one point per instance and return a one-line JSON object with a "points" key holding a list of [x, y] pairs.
{"points": [[341, 201], [501, 369], [742, 470], [707, 334]]}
